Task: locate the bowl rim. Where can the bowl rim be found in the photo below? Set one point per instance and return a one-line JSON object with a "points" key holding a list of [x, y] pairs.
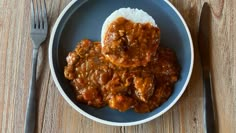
{"points": [[73, 105]]}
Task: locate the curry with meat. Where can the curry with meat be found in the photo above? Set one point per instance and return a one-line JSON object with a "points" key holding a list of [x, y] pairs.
{"points": [[98, 82]]}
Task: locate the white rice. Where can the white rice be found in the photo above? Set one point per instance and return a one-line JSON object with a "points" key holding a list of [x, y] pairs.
{"points": [[135, 15]]}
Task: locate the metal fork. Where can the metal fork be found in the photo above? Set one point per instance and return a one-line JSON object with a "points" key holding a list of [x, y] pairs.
{"points": [[39, 29]]}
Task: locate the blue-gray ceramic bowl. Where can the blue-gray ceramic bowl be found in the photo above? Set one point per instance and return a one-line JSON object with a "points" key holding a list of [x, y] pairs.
{"points": [[84, 18]]}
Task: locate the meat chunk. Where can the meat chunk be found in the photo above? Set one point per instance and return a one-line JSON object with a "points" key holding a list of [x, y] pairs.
{"points": [[144, 87], [91, 96], [129, 44], [121, 102]]}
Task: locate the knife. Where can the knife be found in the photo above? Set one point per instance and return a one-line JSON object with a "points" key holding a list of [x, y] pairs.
{"points": [[209, 117]]}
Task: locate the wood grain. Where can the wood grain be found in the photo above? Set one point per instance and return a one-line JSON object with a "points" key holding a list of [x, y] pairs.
{"points": [[56, 116]]}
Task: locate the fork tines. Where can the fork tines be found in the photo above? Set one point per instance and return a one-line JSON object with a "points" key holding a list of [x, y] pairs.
{"points": [[38, 14]]}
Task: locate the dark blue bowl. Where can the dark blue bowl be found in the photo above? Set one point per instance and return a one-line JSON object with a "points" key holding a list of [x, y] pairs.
{"points": [[84, 19]]}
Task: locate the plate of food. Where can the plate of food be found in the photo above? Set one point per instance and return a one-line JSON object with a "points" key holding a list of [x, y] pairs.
{"points": [[121, 62]]}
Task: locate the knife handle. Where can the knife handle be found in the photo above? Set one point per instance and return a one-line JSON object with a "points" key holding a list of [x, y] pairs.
{"points": [[209, 108]]}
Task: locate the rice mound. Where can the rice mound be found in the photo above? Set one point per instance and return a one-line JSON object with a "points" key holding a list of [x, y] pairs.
{"points": [[135, 15]]}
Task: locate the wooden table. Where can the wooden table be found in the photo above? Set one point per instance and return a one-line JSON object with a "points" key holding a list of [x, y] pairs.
{"points": [[56, 116]]}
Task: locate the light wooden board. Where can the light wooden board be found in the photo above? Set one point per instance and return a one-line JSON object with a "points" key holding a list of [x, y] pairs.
{"points": [[56, 116]]}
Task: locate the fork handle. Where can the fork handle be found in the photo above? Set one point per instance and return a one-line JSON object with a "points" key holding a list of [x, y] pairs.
{"points": [[31, 103]]}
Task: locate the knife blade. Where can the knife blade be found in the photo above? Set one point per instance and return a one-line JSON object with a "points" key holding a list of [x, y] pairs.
{"points": [[209, 116]]}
